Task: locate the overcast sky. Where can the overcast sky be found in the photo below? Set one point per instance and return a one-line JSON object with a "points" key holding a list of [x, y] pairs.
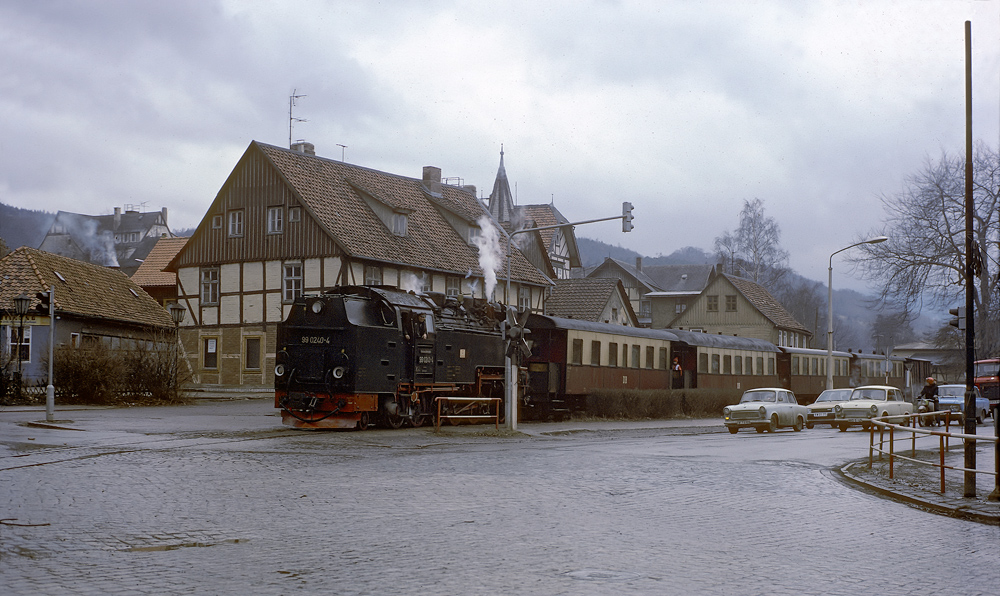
{"points": [[683, 108]]}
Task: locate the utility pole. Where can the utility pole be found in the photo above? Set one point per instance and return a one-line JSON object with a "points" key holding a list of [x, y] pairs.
{"points": [[970, 246]]}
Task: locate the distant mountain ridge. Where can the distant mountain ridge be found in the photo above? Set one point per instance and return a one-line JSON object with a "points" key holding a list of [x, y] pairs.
{"points": [[23, 227]]}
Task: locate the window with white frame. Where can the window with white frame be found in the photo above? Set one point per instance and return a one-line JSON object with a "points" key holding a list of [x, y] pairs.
{"points": [[291, 282], [524, 297], [20, 347], [399, 222], [236, 223], [373, 275], [453, 285], [275, 220], [210, 285]]}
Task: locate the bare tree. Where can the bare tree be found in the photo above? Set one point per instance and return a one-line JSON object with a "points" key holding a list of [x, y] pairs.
{"points": [[754, 249], [923, 260]]}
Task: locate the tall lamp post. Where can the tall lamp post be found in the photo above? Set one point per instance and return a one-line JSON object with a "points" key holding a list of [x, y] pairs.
{"points": [[829, 303], [21, 304], [177, 313]]}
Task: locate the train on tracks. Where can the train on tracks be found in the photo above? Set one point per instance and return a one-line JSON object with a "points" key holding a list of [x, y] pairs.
{"points": [[356, 356]]}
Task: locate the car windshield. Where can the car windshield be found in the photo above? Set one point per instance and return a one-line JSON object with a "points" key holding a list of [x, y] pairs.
{"points": [[834, 395], [987, 369], [750, 396], [873, 394], [951, 391]]}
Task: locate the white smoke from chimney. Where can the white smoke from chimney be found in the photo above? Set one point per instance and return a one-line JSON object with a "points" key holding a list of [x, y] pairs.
{"points": [[411, 282], [490, 255]]}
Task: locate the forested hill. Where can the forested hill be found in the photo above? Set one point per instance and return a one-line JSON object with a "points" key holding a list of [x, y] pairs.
{"points": [[23, 227]]}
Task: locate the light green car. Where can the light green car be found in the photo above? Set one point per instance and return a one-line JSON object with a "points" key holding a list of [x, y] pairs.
{"points": [[872, 401]]}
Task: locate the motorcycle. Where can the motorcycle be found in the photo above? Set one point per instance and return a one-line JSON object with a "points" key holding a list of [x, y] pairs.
{"points": [[924, 407]]}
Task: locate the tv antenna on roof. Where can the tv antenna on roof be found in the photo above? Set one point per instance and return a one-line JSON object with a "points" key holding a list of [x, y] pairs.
{"points": [[292, 120]]}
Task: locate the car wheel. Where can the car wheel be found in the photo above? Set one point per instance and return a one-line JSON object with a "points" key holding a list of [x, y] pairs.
{"points": [[759, 429], [865, 425], [843, 427], [773, 427], [733, 430], [809, 425], [798, 424]]}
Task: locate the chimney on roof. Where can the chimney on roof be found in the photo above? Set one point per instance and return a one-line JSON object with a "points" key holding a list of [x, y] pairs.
{"points": [[304, 147], [118, 217], [638, 264], [432, 178], [163, 215]]}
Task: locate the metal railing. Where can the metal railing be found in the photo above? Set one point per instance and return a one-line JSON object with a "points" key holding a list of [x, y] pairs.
{"points": [[944, 443], [467, 410]]}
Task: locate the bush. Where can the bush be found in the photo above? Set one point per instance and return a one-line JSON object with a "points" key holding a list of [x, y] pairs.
{"points": [[98, 375], [660, 403]]}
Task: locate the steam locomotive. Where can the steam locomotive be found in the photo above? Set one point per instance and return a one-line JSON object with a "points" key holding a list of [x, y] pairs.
{"points": [[355, 356]]}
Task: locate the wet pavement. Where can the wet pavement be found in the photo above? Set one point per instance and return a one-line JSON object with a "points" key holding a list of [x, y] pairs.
{"points": [[219, 498]]}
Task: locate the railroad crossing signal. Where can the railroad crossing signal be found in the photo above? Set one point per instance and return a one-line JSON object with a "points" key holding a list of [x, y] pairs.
{"points": [[959, 320], [626, 216]]}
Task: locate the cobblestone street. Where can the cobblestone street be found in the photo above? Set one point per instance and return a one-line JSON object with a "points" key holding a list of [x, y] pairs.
{"points": [[220, 499]]}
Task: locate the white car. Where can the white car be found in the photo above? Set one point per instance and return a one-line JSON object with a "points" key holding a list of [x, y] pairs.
{"points": [[767, 408], [821, 410], [952, 397], [872, 401]]}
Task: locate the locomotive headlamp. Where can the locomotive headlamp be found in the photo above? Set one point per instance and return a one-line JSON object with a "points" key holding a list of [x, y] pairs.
{"points": [[279, 370], [316, 306], [338, 372]]}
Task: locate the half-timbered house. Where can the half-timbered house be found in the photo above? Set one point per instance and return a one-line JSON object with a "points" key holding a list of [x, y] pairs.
{"points": [[288, 222]]}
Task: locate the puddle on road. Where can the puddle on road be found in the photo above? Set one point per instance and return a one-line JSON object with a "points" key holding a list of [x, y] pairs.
{"points": [[605, 575], [166, 547]]}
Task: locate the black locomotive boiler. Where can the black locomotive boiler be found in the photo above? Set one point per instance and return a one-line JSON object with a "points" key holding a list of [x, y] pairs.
{"points": [[360, 355]]}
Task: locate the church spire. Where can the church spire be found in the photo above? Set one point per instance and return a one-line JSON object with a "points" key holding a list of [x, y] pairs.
{"points": [[501, 202]]}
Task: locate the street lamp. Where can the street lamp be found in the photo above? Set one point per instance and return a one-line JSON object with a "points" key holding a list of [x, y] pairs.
{"points": [[177, 313], [21, 304], [829, 303]]}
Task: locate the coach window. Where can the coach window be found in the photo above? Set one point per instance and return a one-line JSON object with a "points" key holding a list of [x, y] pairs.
{"points": [[636, 353], [727, 364], [760, 365], [712, 303], [749, 365], [595, 353], [650, 352], [795, 365], [210, 353], [715, 364], [577, 357], [662, 364], [815, 366], [703, 363], [770, 365], [612, 354], [624, 358], [738, 364]]}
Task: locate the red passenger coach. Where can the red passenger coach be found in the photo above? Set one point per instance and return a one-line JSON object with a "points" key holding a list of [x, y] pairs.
{"points": [[571, 358]]}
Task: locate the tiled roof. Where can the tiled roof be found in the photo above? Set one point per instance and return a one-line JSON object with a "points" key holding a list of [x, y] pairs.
{"points": [[610, 263], [150, 273], [689, 279], [332, 190], [583, 299], [766, 303], [81, 289]]}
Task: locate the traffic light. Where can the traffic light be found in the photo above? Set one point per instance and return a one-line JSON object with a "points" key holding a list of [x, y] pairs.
{"points": [[44, 302], [959, 320], [626, 216]]}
